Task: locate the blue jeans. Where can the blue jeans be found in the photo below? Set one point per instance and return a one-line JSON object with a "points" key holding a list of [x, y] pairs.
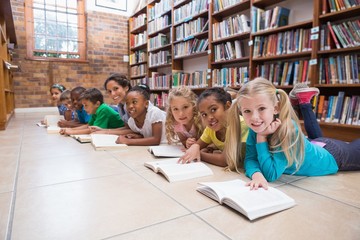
{"points": [[347, 155]]}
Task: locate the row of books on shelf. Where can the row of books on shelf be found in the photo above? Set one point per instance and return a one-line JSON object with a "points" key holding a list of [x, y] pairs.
{"points": [[159, 9], [138, 21], [158, 24], [138, 70], [338, 109], [229, 50], [159, 99], [159, 58], [267, 19], [285, 73], [192, 46], [159, 40], [197, 79], [185, 12], [338, 5], [233, 25], [138, 57], [231, 76], [159, 81], [343, 69], [138, 39], [343, 35], [293, 41], [223, 4], [191, 28]]}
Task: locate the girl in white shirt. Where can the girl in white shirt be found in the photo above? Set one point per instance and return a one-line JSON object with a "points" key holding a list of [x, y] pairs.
{"points": [[146, 124]]}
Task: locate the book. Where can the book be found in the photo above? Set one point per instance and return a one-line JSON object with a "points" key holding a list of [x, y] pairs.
{"points": [[53, 129], [174, 171], [52, 120], [105, 142], [251, 203], [339, 107], [166, 151], [82, 138]]}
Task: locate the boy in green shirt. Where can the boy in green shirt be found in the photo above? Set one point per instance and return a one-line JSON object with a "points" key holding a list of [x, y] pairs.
{"points": [[102, 115]]}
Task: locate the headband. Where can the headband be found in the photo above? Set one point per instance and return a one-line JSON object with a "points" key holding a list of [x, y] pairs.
{"points": [[58, 86]]}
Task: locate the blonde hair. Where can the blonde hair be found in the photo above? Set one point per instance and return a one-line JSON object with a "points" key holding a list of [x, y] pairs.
{"points": [[170, 122], [285, 139]]}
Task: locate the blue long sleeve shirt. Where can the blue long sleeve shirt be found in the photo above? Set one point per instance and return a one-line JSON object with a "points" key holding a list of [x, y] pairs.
{"points": [[317, 162]]}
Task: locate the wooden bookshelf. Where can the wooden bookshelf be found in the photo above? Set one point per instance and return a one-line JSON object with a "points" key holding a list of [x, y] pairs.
{"points": [[7, 36], [311, 56]]}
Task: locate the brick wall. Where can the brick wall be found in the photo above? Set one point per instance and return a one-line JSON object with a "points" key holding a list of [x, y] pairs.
{"points": [[107, 42]]}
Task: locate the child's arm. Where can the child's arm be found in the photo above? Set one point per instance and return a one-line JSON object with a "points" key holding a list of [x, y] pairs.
{"points": [[116, 131], [193, 153], [84, 129], [213, 157], [69, 124], [257, 180], [155, 139]]}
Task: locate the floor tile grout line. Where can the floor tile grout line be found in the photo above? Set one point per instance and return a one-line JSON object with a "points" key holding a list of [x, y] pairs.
{"points": [[319, 194], [8, 234]]}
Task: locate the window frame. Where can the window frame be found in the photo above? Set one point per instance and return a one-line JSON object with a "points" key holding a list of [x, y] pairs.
{"points": [[30, 43]]}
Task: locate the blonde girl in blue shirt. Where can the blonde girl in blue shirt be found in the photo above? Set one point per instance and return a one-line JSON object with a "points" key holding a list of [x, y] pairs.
{"points": [[276, 144]]}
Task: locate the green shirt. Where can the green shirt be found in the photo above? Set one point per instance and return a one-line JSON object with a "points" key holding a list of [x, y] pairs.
{"points": [[106, 117]]}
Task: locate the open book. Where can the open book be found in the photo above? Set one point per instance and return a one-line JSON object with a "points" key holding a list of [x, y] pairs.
{"points": [[51, 122], [174, 171], [105, 142], [166, 151], [82, 138], [251, 203]]}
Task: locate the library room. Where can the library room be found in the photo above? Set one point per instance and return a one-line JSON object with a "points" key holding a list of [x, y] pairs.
{"points": [[179, 119]]}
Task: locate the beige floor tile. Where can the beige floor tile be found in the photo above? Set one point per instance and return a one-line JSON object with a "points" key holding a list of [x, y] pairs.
{"points": [[5, 203], [188, 227], [344, 186], [314, 217], [8, 164], [41, 171], [290, 178], [91, 209]]}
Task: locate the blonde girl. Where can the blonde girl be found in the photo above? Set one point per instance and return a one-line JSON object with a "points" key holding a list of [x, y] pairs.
{"points": [[212, 105], [182, 118], [276, 144]]}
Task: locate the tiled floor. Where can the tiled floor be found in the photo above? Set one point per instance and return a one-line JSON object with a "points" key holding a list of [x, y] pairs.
{"points": [[52, 187]]}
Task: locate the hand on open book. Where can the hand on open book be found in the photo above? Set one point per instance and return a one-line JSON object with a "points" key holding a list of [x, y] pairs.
{"points": [[95, 129], [258, 180], [191, 154]]}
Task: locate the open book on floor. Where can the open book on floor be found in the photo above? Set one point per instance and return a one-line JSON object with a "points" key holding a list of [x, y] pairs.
{"points": [[51, 122], [82, 138], [251, 203], [105, 142], [167, 150], [174, 171]]}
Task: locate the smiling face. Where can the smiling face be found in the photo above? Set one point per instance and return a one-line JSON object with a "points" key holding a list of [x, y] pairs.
{"points": [[55, 94], [136, 105], [258, 111], [182, 110], [116, 92], [213, 113], [76, 103]]}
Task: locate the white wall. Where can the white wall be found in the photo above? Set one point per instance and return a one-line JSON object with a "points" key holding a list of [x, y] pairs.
{"points": [[131, 5]]}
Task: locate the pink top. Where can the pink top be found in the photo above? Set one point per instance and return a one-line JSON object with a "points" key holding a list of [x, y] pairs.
{"points": [[179, 128]]}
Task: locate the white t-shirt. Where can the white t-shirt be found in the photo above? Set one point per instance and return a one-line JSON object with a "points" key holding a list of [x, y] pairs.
{"points": [[153, 115]]}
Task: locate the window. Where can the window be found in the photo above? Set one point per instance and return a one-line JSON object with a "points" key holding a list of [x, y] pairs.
{"points": [[55, 29]]}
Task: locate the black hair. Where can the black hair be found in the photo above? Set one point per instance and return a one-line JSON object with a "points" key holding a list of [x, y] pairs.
{"points": [[143, 89], [65, 95], [219, 93], [58, 86], [93, 95], [120, 79]]}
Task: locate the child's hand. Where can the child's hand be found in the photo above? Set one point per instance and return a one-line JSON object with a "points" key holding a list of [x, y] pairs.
{"points": [[65, 131], [62, 123], [133, 136], [189, 142], [193, 153], [258, 180], [271, 128]]}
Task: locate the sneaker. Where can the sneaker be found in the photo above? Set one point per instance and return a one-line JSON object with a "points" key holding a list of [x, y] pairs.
{"points": [[292, 95], [305, 95]]}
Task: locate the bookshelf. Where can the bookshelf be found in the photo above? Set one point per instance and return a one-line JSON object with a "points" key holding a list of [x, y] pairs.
{"points": [[7, 41], [209, 45]]}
